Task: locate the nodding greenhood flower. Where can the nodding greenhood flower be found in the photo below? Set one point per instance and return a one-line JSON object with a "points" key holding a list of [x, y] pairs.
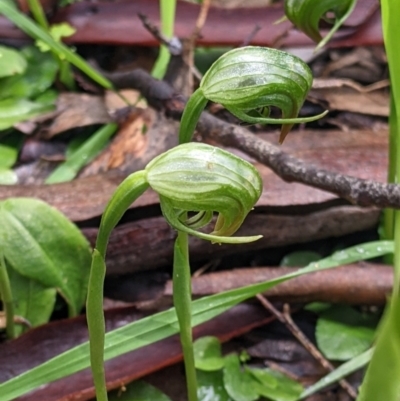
{"points": [[200, 178], [247, 82], [306, 15]]}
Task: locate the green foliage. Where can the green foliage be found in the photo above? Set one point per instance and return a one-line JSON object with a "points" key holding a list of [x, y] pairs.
{"points": [[343, 333], [83, 155], [247, 81], [164, 324], [307, 14], [342, 371], [239, 383], [35, 31], [275, 385], [381, 380], [44, 252], [207, 353], [11, 62], [211, 386], [299, 258], [9, 148], [139, 391], [38, 76], [167, 14]]}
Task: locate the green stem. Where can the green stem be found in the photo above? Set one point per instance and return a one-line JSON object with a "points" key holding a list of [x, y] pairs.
{"points": [[167, 11], [96, 324], [37, 11], [6, 296], [191, 115], [128, 191], [182, 302]]}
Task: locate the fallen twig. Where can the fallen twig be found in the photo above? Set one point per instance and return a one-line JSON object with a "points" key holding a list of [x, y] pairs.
{"points": [[357, 191], [287, 320]]}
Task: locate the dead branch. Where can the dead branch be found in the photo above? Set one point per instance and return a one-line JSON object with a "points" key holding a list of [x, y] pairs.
{"points": [[357, 191]]}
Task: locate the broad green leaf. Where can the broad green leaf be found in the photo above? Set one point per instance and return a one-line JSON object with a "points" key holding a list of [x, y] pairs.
{"points": [[207, 354], [211, 386], [42, 244], [161, 325], [275, 385], [9, 149], [238, 382], [14, 110], [342, 371], [37, 78], [32, 300], [68, 170], [343, 333], [8, 176], [11, 62], [300, 258], [139, 391]]}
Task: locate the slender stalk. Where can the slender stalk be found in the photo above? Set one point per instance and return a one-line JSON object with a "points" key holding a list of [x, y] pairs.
{"points": [[96, 324], [167, 11], [182, 294], [38, 14], [6, 296]]}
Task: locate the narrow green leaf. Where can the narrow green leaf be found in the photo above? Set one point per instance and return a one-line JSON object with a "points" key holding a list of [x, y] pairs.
{"points": [[68, 170], [11, 62], [342, 371], [42, 244], [207, 354], [35, 31], [164, 324], [343, 333]]}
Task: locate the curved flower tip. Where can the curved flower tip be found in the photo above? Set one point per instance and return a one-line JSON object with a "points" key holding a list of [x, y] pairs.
{"points": [[200, 178], [307, 14], [249, 80]]}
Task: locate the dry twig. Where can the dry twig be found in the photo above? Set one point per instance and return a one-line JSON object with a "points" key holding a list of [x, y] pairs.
{"points": [[287, 320], [357, 191]]}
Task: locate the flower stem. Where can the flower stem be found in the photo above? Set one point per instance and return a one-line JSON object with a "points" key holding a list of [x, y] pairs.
{"points": [[182, 301]]}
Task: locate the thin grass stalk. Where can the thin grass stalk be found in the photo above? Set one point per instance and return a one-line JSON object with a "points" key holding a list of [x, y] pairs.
{"points": [[167, 14]]}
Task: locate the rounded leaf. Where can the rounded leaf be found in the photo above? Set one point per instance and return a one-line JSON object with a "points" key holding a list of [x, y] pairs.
{"points": [[202, 178]]}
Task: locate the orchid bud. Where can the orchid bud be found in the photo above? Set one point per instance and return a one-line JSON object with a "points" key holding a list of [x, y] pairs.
{"points": [[200, 178], [306, 15], [247, 81]]}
